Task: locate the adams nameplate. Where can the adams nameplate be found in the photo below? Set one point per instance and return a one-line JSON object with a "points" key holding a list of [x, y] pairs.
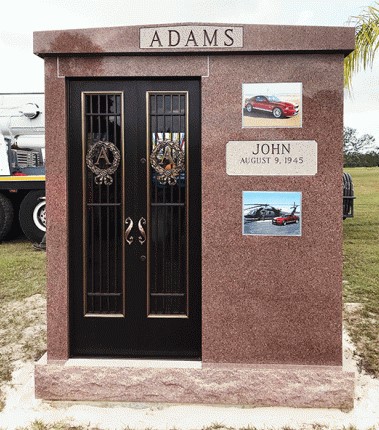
{"points": [[191, 37], [270, 158]]}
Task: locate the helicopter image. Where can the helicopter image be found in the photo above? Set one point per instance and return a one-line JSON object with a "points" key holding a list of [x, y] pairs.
{"points": [[264, 211]]}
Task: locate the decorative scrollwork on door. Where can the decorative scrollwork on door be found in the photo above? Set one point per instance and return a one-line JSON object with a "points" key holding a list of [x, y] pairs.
{"points": [[98, 161], [167, 159], [141, 223]]}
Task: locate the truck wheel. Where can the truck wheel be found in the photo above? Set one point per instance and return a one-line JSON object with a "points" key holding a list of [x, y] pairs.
{"points": [[6, 216], [32, 215]]}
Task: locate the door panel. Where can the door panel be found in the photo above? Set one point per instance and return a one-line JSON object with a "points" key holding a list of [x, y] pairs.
{"points": [[135, 281]]}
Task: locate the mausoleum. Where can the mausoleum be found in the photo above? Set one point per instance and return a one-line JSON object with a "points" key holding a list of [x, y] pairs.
{"points": [[194, 200]]}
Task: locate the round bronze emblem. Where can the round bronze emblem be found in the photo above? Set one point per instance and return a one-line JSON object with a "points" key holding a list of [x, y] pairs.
{"points": [[167, 159], [98, 161]]}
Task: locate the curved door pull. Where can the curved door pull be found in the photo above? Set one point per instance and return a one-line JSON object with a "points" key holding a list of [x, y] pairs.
{"points": [[141, 223], [128, 239]]}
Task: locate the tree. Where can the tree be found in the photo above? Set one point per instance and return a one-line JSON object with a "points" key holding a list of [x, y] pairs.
{"points": [[366, 42], [359, 150], [354, 144]]}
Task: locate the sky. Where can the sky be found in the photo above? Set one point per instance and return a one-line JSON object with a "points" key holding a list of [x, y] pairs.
{"points": [[21, 71], [272, 89], [283, 200]]}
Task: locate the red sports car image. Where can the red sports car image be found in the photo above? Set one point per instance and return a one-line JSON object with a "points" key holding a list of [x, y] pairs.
{"points": [[278, 108], [286, 219]]}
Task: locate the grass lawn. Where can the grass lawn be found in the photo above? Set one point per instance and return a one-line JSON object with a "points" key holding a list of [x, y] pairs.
{"points": [[361, 267], [22, 271], [22, 306]]}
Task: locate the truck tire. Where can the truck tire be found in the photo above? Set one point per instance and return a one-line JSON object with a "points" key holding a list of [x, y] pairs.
{"points": [[32, 215], [6, 216]]}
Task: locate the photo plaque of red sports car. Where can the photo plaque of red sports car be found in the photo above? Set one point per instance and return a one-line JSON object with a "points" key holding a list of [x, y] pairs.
{"points": [[272, 105]]}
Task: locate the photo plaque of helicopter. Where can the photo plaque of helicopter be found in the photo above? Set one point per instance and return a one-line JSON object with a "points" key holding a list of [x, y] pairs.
{"points": [[271, 213]]}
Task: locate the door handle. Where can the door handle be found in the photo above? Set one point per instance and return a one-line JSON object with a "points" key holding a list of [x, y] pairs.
{"points": [[141, 223], [128, 239]]}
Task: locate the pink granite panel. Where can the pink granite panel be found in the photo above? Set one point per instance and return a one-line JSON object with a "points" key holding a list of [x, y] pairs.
{"points": [[56, 201], [257, 38], [272, 299], [133, 66], [275, 386]]}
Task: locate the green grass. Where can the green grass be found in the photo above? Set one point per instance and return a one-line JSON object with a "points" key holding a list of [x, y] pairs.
{"points": [[22, 325], [22, 270], [361, 267]]}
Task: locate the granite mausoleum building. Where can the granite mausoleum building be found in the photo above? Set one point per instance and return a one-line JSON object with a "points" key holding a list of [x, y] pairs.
{"points": [[194, 199]]}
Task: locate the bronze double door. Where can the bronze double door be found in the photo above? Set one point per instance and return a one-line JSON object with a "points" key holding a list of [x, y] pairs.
{"points": [[134, 218]]}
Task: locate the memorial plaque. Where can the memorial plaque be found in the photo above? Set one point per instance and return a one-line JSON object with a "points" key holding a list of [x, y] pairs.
{"points": [[275, 158], [191, 36]]}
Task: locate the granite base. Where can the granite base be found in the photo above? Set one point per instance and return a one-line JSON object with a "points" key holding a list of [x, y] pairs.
{"points": [[194, 382]]}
